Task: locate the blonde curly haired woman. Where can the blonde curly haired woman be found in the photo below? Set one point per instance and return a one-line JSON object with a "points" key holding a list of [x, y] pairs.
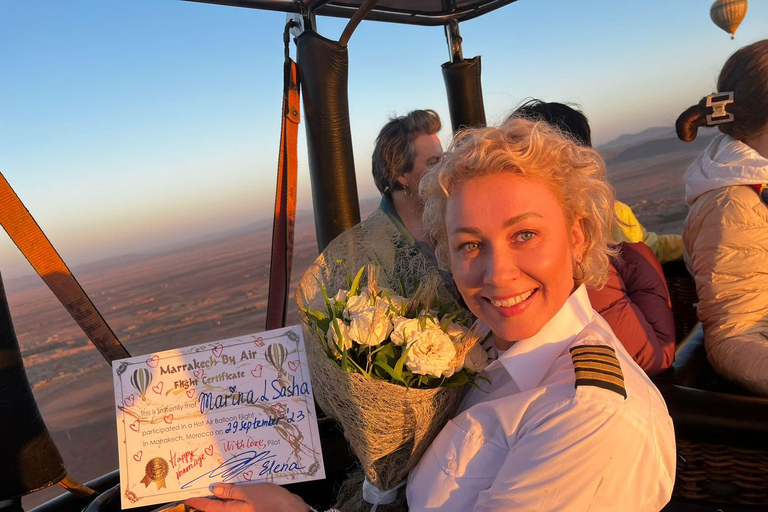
{"points": [[568, 422]]}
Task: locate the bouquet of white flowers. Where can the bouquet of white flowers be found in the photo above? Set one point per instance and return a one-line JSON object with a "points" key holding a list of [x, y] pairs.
{"points": [[390, 370]]}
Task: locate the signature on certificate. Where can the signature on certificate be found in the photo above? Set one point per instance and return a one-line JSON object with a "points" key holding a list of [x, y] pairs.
{"points": [[234, 466]]}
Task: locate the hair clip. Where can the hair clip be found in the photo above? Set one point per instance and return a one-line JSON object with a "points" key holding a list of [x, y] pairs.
{"points": [[717, 103]]}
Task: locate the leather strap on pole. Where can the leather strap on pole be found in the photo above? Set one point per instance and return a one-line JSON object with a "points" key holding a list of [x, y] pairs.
{"points": [[30, 239], [285, 198]]}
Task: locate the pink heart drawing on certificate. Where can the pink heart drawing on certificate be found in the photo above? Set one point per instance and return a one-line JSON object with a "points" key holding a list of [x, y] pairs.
{"points": [[217, 350], [168, 418], [293, 365], [158, 389], [199, 374], [259, 342], [135, 425], [209, 451], [191, 392], [128, 401], [278, 409], [256, 372], [137, 456], [248, 475], [295, 441], [153, 361]]}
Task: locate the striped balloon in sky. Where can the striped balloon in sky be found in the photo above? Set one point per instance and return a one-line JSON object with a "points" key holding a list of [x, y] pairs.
{"points": [[728, 14], [141, 379]]}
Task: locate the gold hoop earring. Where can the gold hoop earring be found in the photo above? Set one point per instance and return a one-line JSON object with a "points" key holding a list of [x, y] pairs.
{"points": [[582, 269], [407, 189]]}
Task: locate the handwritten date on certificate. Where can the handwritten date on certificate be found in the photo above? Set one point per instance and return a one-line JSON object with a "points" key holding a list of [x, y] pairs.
{"points": [[238, 410]]}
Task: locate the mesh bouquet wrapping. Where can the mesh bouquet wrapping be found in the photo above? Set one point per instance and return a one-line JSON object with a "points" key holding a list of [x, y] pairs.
{"points": [[374, 241], [388, 426]]}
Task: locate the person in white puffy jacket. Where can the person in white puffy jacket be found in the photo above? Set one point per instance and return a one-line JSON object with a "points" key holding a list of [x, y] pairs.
{"points": [[726, 232]]}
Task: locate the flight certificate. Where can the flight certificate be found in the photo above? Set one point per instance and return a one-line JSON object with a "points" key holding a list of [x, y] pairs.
{"points": [[236, 411]]}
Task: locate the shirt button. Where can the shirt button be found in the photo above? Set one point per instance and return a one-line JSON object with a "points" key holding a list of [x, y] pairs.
{"points": [[452, 465]]}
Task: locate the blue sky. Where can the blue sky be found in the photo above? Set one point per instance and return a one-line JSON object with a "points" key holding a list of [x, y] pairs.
{"points": [[128, 126]]}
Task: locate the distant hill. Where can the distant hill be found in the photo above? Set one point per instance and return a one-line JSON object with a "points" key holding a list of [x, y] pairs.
{"points": [[661, 147], [633, 139]]}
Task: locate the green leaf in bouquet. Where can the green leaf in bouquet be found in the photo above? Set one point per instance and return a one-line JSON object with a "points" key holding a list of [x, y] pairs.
{"points": [[323, 325], [473, 383], [356, 368], [392, 307], [408, 377], [458, 379], [401, 361], [354, 288], [429, 381], [339, 338], [443, 310], [403, 291], [339, 309], [327, 300], [315, 314], [388, 369], [345, 360], [386, 358], [446, 321]]}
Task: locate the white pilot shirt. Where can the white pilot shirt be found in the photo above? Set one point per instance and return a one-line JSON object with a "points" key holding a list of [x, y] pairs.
{"points": [[541, 441]]}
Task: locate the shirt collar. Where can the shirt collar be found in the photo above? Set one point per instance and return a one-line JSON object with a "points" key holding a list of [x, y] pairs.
{"points": [[528, 360], [388, 207]]}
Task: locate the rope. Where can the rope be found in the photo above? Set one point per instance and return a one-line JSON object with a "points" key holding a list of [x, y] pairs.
{"points": [[285, 196], [35, 246]]}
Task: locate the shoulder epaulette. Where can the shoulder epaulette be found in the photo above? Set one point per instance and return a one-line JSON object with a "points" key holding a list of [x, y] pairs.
{"points": [[597, 365]]}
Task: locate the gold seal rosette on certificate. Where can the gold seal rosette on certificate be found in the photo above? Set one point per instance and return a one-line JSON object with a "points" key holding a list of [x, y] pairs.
{"points": [[155, 471]]}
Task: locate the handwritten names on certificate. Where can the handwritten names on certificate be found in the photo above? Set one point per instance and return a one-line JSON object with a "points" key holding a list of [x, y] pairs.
{"points": [[238, 410]]}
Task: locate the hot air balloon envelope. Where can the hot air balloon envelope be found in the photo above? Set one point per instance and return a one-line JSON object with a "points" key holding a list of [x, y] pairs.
{"points": [[276, 355], [728, 14], [141, 379]]}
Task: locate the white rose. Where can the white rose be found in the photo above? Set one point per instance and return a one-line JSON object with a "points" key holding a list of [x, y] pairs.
{"points": [[477, 359], [397, 301], [333, 339], [356, 304], [431, 353], [408, 329], [456, 331], [372, 325], [341, 296]]}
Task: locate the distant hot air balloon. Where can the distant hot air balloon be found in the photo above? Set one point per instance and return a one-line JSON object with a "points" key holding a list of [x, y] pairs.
{"points": [[141, 379], [276, 354], [728, 14]]}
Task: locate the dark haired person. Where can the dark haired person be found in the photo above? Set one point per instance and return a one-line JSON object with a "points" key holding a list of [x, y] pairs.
{"points": [[726, 232], [635, 300], [392, 238]]}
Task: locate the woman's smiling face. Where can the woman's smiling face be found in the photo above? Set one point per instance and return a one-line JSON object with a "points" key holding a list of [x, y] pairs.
{"points": [[512, 254]]}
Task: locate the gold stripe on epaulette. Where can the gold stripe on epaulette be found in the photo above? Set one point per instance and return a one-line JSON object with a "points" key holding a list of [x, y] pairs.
{"points": [[613, 370], [597, 365], [602, 349], [596, 358]]}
